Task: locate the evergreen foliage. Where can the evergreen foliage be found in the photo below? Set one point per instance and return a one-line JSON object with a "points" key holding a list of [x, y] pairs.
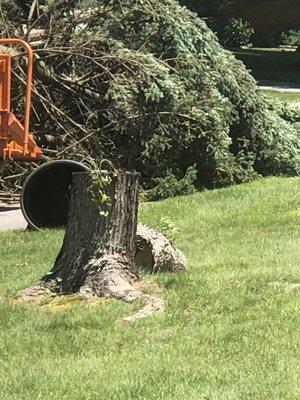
{"points": [[147, 84]]}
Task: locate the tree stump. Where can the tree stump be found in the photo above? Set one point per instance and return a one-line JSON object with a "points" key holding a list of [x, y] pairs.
{"points": [[97, 257], [97, 248]]}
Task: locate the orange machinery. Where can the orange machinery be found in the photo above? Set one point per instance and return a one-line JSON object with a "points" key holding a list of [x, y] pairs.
{"points": [[16, 142], [46, 190]]}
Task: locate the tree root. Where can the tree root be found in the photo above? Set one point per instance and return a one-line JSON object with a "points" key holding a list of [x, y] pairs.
{"points": [[35, 294], [107, 278], [156, 253]]}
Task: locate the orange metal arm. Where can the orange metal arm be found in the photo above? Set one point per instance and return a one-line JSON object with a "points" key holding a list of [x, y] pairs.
{"points": [[30, 55]]}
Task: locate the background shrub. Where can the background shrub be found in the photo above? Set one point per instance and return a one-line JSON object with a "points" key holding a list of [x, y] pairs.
{"points": [[236, 33], [290, 38], [171, 186]]}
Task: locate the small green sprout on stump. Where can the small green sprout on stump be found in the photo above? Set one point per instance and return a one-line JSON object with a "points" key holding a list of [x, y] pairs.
{"points": [[100, 181]]}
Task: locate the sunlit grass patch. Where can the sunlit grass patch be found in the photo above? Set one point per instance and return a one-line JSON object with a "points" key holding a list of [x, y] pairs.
{"points": [[229, 331]]}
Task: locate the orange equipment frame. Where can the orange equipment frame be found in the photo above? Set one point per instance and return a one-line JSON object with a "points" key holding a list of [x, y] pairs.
{"points": [[16, 142]]}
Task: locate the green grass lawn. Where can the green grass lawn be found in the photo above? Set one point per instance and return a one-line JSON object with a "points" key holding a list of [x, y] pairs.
{"points": [[287, 97], [271, 64], [229, 331]]}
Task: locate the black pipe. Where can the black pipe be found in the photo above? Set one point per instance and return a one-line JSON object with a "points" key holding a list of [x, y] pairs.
{"points": [[45, 194]]}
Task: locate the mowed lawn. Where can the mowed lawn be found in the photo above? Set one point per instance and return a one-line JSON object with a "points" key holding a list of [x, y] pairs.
{"points": [[229, 331], [287, 97]]}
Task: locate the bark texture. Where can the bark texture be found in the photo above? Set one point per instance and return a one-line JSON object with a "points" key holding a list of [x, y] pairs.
{"points": [[96, 244], [156, 253], [97, 257]]}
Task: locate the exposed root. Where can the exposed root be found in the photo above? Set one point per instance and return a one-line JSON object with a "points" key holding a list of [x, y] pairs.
{"points": [[156, 253], [115, 280], [153, 305], [108, 278], [37, 293]]}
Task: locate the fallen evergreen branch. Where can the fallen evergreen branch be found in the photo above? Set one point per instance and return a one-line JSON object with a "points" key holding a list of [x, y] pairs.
{"points": [[147, 85]]}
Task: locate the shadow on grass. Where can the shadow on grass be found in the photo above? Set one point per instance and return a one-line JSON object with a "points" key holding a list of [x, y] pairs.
{"points": [[271, 64]]}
